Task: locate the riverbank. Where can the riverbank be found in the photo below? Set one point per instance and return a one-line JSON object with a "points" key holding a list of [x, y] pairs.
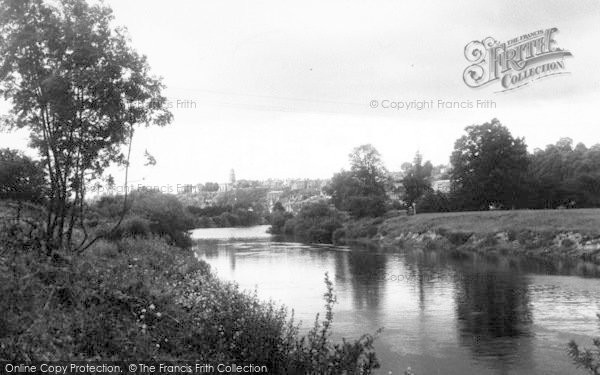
{"points": [[141, 298], [567, 234]]}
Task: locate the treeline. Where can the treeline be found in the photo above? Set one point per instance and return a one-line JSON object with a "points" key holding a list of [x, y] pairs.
{"points": [[490, 169], [240, 207]]}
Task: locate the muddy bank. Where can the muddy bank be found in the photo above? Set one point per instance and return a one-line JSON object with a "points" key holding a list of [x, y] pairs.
{"points": [[569, 245]]}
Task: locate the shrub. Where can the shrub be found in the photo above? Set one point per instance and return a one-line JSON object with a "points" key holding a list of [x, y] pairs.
{"points": [[149, 212], [588, 359], [458, 238], [434, 201], [277, 219], [150, 302], [361, 229], [316, 222], [136, 226], [21, 178]]}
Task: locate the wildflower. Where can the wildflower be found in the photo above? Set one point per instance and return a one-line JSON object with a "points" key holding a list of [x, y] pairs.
{"points": [[152, 307], [158, 314]]}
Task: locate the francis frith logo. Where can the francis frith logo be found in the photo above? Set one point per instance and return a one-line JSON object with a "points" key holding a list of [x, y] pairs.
{"points": [[514, 63]]}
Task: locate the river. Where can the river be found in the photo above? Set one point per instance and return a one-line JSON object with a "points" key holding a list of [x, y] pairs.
{"points": [[440, 314]]}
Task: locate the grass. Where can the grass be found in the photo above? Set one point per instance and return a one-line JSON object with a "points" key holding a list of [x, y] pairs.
{"points": [[144, 299], [584, 221]]}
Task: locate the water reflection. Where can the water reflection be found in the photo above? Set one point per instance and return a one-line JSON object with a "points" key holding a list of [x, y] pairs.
{"points": [[442, 313], [493, 312], [364, 273]]}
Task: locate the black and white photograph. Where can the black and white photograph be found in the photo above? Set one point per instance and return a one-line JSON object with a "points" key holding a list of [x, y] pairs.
{"points": [[350, 187]]}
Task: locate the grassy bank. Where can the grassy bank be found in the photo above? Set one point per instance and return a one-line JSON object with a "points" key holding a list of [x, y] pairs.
{"points": [[562, 233], [585, 221], [141, 298]]}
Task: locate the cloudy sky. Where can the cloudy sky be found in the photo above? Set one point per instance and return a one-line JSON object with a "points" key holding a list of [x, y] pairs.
{"points": [[283, 89]]}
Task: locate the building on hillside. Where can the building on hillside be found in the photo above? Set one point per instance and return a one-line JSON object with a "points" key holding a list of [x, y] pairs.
{"points": [[273, 197], [225, 187], [442, 186]]}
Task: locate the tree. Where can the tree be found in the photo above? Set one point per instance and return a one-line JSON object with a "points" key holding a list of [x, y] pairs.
{"points": [[417, 179], [278, 218], [489, 167], [316, 222], [21, 178], [361, 191], [80, 89], [367, 167], [563, 176]]}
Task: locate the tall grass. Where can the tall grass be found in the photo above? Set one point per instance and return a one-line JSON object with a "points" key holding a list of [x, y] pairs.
{"points": [[143, 299]]}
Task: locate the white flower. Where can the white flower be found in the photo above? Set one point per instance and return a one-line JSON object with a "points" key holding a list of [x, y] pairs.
{"points": [[152, 307]]}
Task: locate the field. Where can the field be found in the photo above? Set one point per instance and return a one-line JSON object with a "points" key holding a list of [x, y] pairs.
{"points": [[584, 221]]}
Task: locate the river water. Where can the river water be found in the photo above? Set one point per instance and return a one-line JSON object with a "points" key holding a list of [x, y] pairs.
{"points": [[440, 314]]}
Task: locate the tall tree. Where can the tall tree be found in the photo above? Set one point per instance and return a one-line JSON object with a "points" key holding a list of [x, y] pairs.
{"points": [[489, 166], [77, 85], [417, 179], [361, 191]]}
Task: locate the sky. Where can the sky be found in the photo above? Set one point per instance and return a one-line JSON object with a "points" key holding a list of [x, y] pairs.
{"points": [[283, 89]]}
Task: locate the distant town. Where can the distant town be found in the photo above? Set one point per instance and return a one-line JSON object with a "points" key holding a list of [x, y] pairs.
{"points": [[294, 193]]}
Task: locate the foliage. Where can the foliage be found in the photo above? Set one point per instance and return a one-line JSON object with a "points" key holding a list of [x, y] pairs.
{"points": [[21, 178], [79, 88], [361, 191], [315, 222], [489, 167], [435, 201], [278, 218], [354, 231], [251, 198], [417, 179], [561, 175], [225, 216], [239, 207], [143, 300], [150, 212], [315, 354], [588, 359]]}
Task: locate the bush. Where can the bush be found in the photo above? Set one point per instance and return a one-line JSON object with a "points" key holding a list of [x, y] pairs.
{"points": [[315, 222], [21, 178], [136, 227], [365, 228], [148, 213], [434, 201], [588, 359], [278, 219], [152, 302], [458, 238]]}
